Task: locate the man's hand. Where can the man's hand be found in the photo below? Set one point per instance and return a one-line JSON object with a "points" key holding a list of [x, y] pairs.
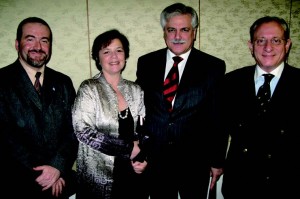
{"points": [[139, 167], [136, 149], [58, 186], [48, 177]]}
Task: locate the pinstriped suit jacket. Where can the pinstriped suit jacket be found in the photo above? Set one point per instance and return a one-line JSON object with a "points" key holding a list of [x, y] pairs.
{"points": [[191, 130]]}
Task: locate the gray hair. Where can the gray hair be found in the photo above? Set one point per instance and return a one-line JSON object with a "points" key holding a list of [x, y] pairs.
{"points": [[178, 9]]}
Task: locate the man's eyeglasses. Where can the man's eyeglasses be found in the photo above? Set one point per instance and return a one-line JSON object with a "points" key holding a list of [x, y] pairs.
{"points": [[263, 41]]}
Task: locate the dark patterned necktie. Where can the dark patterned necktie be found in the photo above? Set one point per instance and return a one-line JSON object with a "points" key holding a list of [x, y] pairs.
{"points": [[264, 94], [37, 84], [171, 83]]}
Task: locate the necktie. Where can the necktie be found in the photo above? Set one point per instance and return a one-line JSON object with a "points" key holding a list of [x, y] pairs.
{"points": [[37, 84], [171, 83], [264, 93]]}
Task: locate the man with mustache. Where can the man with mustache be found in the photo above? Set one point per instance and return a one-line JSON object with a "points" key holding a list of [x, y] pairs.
{"points": [[37, 144], [186, 146]]}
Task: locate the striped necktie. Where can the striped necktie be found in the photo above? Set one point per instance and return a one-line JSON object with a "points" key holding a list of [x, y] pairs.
{"points": [[37, 84], [171, 83]]}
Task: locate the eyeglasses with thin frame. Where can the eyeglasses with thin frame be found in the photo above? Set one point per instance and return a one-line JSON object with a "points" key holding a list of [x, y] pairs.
{"points": [[274, 41]]}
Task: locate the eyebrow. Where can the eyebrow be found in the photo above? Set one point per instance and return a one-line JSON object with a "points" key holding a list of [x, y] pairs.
{"points": [[27, 36]]}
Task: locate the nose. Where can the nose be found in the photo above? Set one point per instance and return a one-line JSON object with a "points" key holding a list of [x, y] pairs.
{"points": [[268, 46], [177, 34], [113, 54], [37, 45]]}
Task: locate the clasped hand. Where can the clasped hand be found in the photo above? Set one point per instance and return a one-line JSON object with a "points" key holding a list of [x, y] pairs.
{"points": [[50, 178]]}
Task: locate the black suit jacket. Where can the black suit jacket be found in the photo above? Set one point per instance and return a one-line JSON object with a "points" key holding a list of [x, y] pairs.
{"points": [[262, 160], [34, 131], [191, 130]]}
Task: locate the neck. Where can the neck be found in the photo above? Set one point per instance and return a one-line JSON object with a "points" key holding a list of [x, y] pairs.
{"points": [[113, 80]]}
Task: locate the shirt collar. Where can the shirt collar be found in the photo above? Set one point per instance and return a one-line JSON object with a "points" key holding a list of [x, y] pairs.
{"points": [[276, 72], [31, 72], [184, 55]]}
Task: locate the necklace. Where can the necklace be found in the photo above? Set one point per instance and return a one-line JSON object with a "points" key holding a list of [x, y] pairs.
{"points": [[126, 114]]}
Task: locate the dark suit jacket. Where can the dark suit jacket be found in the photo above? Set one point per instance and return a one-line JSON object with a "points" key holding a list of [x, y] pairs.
{"points": [[262, 161], [34, 131], [191, 130]]}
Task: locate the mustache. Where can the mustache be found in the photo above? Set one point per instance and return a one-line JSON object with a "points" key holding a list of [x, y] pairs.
{"points": [[37, 51], [178, 41]]}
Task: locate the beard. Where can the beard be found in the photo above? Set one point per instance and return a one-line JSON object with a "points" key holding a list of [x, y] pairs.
{"points": [[37, 62]]}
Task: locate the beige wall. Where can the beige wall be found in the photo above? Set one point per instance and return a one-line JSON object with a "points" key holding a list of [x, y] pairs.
{"points": [[224, 26]]}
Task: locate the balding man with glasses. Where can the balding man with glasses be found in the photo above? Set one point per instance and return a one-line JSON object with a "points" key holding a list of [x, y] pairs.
{"points": [[262, 157]]}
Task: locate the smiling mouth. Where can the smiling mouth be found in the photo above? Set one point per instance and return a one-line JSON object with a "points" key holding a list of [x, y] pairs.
{"points": [[268, 56], [114, 63]]}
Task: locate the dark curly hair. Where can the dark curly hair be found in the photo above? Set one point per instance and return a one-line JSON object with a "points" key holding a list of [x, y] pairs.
{"points": [[103, 40]]}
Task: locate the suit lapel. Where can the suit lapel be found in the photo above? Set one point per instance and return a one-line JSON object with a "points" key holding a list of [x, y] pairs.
{"points": [[160, 69], [285, 81], [25, 86], [49, 89], [186, 78]]}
